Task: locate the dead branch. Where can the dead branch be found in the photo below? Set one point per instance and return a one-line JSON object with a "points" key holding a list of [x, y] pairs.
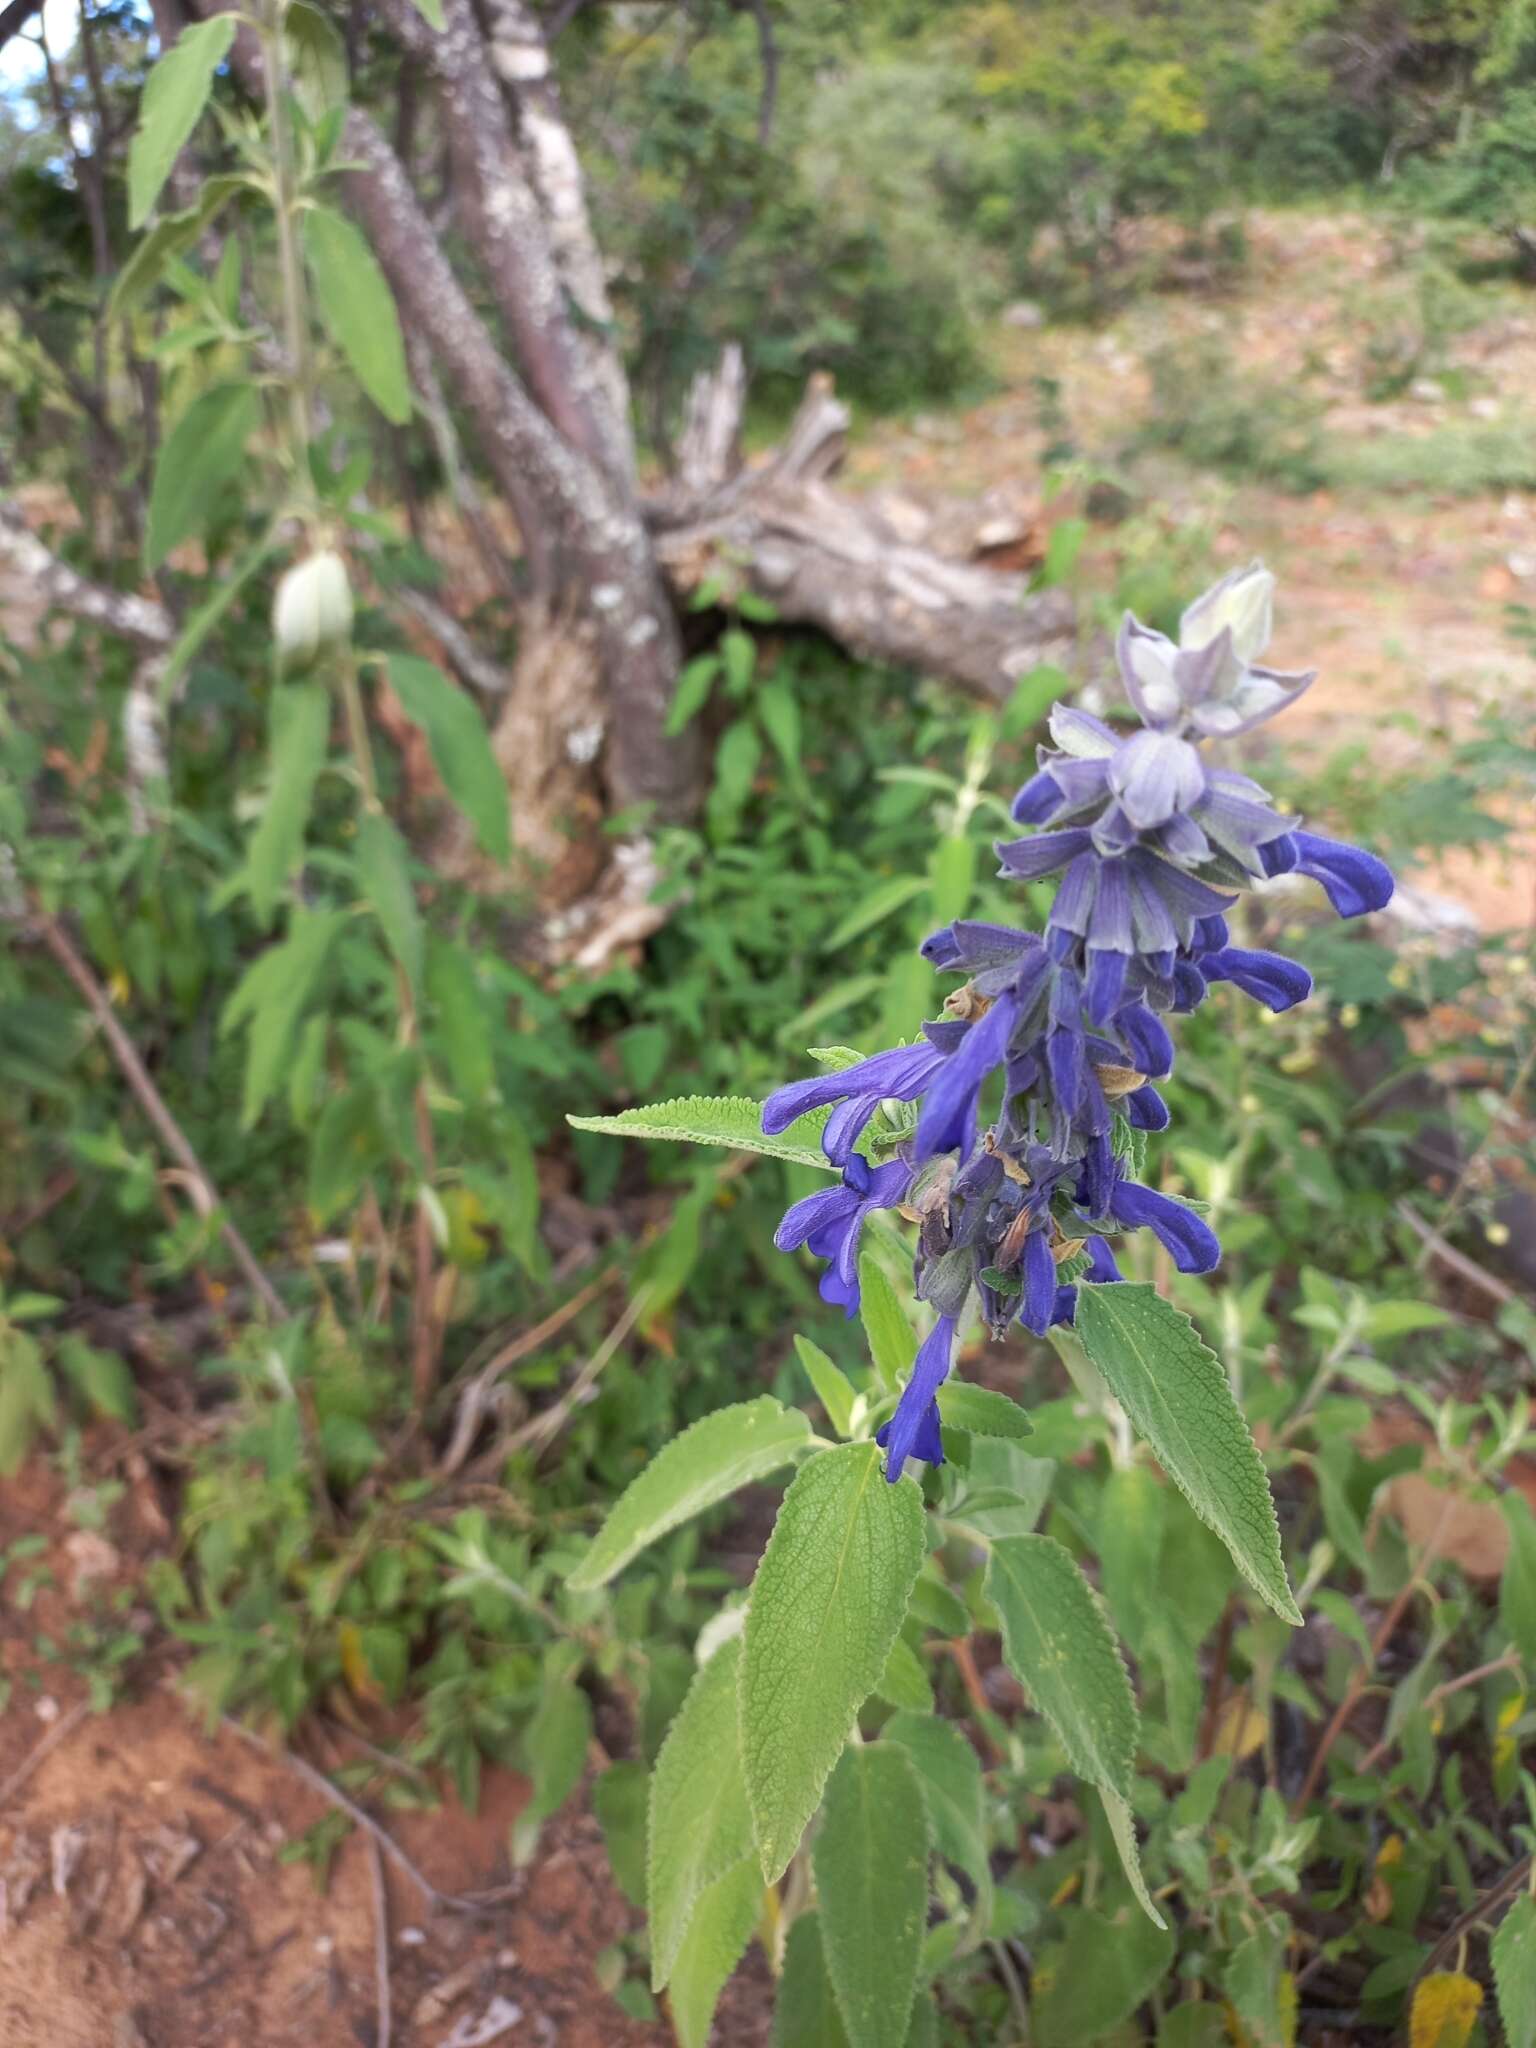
{"points": [[139, 619], [153, 1103], [824, 558]]}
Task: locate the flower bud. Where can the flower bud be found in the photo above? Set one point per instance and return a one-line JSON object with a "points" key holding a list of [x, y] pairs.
{"points": [[1242, 601], [312, 609]]}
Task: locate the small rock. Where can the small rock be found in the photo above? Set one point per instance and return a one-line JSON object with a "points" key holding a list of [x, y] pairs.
{"points": [[1024, 313], [1427, 390]]}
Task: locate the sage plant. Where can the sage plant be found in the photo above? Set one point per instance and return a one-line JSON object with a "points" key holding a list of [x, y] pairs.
{"points": [[1011, 1137]]}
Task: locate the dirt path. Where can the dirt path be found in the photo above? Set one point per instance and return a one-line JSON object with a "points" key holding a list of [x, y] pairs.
{"points": [[1400, 597]]}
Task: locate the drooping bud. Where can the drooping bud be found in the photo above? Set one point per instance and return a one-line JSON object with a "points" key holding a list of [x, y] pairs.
{"points": [[312, 608]]}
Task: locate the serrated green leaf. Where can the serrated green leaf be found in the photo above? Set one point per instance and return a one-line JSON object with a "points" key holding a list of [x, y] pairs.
{"points": [[300, 719], [383, 868], [805, 2012], [1122, 1825], [878, 905], [834, 1389], [1514, 1972], [1097, 1977], [904, 1682], [1058, 1643], [982, 1410], [699, 1828], [949, 1774], [460, 747], [891, 1343], [204, 449], [722, 1926], [1003, 1491], [827, 1601], [431, 12], [174, 96], [731, 1120], [358, 309], [1172, 1387], [706, 1464], [871, 1863]]}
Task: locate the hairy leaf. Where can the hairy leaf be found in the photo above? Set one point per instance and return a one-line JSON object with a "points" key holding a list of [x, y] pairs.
{"points": [[699, 1828], [707, 1463], [721, 1927], [1058, 1643], [871, 1864], [805, 2013], [731, 1120], [1514, 1972], [891, 1342], [981, 1410], [949, 1775], [1174, 1390], [827, 1601]]}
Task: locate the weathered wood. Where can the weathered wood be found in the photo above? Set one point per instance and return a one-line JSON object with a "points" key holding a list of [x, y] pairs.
{"points": [[825, 558]]}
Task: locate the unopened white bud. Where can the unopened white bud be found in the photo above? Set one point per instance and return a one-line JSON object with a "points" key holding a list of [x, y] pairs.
{"points": [[312, 609], [1242, 601]]}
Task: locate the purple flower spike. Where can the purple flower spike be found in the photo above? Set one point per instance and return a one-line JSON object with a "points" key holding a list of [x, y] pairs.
{"points": [[913, 1431]]}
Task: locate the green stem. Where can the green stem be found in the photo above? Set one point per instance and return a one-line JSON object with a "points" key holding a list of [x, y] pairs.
{"points": [[290, 263]]}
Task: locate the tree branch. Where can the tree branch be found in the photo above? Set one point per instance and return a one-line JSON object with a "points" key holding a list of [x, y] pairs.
{"points": [[139, 619]]}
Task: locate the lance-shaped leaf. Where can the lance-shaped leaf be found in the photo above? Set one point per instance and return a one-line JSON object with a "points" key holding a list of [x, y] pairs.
{"points": [[705, 1464], [200, 455], [460, 745], [731, 1120], [1058, 1643], [300, 718], [828, 1599], [871, 1863], [949, 1774], [699, 1828], [982, 1410], [1172, 1387], [383, 868], [358, 309], [175, 94], [805, 2012], [721, 1927]]}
